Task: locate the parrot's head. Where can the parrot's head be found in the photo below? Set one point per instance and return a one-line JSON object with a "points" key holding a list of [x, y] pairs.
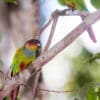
{"points": [[33, 44]]}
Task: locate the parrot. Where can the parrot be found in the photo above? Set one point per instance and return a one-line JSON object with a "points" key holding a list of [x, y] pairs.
{"points": [[74, 4], [23, 57], [81, 6], [95, 3]]}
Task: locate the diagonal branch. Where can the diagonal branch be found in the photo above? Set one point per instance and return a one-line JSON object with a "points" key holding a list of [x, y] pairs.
{"points": [[48, 55], [51, 33], [45, 26], [66, 41]]}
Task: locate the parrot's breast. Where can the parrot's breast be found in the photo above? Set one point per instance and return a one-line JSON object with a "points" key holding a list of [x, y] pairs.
{"points": [[22, 66], [21, 60], [29, 53]]}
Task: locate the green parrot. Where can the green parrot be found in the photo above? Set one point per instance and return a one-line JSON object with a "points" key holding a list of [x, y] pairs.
{"points": [[74, 4], [96, 3], [25, 56], [78, 5], [22, 58]]}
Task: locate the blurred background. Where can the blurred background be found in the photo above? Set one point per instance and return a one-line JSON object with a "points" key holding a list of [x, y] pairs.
{"points": [[76, 69]]}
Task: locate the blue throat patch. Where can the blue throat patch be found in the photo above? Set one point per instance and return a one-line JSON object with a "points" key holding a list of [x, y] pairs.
{"points": [[29, 53]]}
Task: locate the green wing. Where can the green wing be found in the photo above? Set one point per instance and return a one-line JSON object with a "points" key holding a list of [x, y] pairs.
{"points": [[20, 62], [15, 67]]}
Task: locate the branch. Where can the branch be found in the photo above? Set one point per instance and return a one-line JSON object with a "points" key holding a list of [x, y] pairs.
{"points": [[35, 84], [66, 41], [45, 26], [51, 33], [68, 12], [65, 12], [48, 55], [9, 87], [46, 90]]}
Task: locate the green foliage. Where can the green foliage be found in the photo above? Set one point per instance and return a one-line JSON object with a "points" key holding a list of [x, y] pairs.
{"points": [[92, 58], [91, 95], [10, 1], [96, 3], [85, 71], [83, 78], [85, 60]]}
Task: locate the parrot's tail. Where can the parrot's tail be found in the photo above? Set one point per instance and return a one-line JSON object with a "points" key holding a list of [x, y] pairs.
{"points": [[14, 93]]}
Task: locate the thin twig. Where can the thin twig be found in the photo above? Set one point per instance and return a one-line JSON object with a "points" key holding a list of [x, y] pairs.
{"points": [[69, 12], [51, 33], [35, 84], [65, 12], [45, 26], [87, 86], [46, 90]]}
